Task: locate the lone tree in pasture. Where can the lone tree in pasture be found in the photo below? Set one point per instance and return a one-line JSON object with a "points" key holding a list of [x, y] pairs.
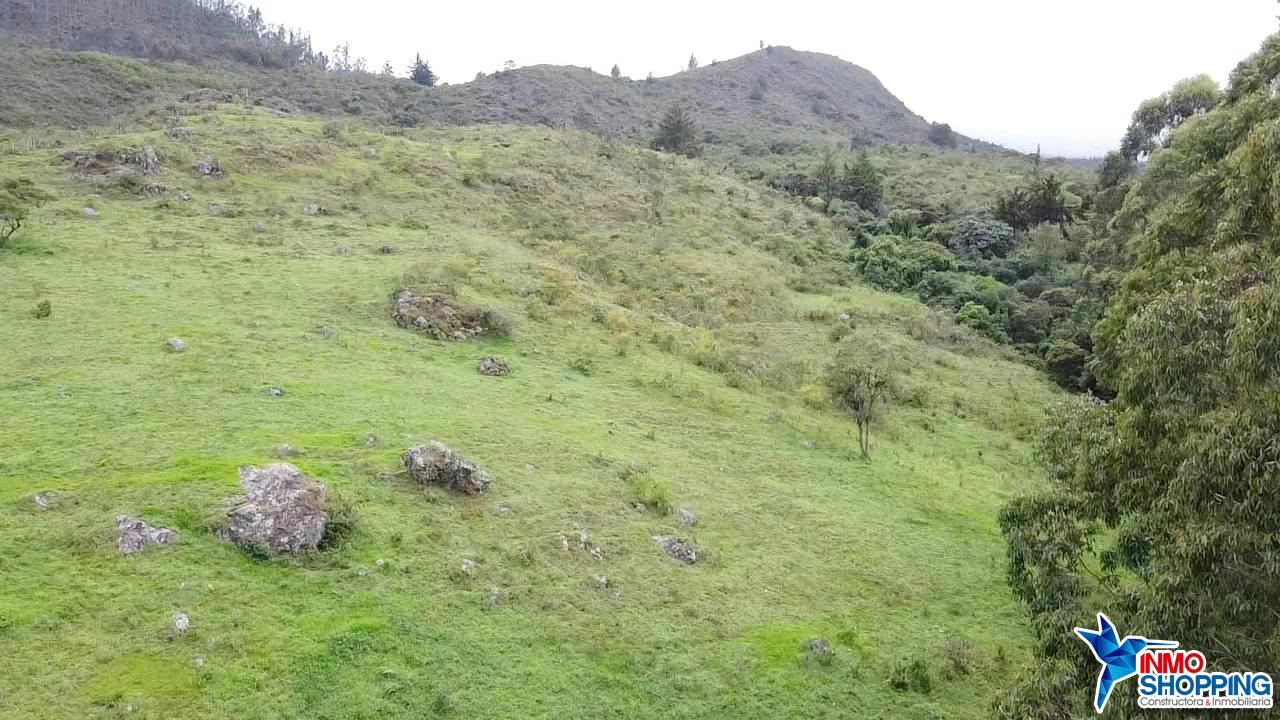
{"points": [[420, 72], [677, 133], [859, 386], [18, 197]]}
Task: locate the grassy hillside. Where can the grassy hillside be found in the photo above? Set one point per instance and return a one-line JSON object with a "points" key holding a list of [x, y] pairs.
{"points": [[662, 315]]}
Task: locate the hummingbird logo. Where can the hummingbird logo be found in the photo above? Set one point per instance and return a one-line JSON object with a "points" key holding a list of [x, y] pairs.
{"points": [[1119, 659]]}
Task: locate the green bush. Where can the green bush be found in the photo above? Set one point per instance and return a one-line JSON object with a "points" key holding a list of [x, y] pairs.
{"points": [[896, 264], [654, 493], [954, 290], [911, 674], [342, 520]]}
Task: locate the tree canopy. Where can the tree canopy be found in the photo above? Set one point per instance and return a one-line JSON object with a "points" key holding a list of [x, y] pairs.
{"points": [[1162, 505], [18, 197], [677, 132], [420, 72]]}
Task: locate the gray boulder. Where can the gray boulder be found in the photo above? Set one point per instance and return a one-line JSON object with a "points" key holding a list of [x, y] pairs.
{"points": [[436, 464], [493, 367], [686, 517], [176, 345], [208, 167], [46, 499], [150, 160], [132, 535], [282, 511], [89, 212], [677, 549], [820, 649]]}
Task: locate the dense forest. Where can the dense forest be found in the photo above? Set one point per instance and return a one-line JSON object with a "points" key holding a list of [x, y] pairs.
{"points": [[1162, 506], [159, 29]]}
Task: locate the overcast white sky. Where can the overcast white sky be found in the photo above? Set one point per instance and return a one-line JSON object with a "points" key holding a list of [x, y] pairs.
{"points": [[1065, 74]]}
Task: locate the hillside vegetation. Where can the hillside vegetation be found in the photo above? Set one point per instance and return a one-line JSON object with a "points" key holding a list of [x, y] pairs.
{"points": [[669, 332]]}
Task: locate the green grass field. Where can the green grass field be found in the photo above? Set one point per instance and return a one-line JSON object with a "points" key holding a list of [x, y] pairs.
{"points": [[663, 315]]}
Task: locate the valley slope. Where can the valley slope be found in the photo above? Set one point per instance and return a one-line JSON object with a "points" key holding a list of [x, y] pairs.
{"points": [[663, 315]]}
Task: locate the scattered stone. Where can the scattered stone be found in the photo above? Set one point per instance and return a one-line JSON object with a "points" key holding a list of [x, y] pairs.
{"points": [[677, 549], [640, 507], [437, 315], [208, 167], [503, 509], [181, 623], [312, 210], [134, 535], [216, 210], [284, 450], [324, 331], [686, 517], [198, 662], [436, 464], [380, 563], [370, 440], [176, 345], [132, 286], [89, 212], [259, 227], [530, 468], [808, 444], [282, 511], [493, 598], [468, 566], [178, 133], [387, 250], [602, 581], [597, 552], [47, 499], [274, 391], [773, 416], [150, 160], [154, 189], [819, 649], [564, 543], [493, 367], [844, 318], [184, 196], [343, 250], [582, 539]]}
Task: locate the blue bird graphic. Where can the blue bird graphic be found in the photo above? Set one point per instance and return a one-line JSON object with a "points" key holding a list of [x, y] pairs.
{"points": [[1119, 659]]}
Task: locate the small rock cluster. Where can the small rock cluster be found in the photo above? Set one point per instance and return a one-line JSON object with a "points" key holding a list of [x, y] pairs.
{"points": [[677, 549], [437, 315], [493, 367], [436, 464], [282, 511], [132, 535], [208, 167]]}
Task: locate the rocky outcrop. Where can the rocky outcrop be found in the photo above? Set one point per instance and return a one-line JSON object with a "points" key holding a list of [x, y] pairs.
{"points": [[677, 549], [282, 512], [437, 315], [436, 464], [132, 535], [208, 167], [493, 367]]}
